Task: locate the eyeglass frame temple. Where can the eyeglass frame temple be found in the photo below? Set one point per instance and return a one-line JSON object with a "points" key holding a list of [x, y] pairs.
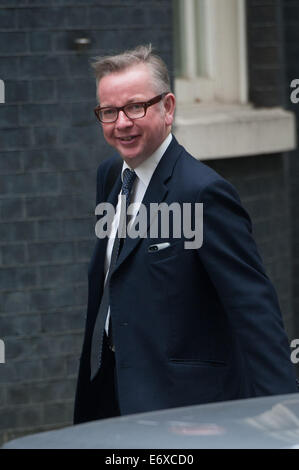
{"points": [[146, 104]]}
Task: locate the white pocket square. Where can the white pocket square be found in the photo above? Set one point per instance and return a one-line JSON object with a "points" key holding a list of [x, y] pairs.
{"points": [[158, 247]]}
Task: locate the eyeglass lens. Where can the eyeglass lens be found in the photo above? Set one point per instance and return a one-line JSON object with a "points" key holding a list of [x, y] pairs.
{"points": [[132, 110]]}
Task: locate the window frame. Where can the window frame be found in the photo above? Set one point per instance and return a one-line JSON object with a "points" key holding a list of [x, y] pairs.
{"points": [[225, 80]]}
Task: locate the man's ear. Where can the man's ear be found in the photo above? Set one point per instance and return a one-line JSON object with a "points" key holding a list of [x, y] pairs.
{"points": [[169, 106]]}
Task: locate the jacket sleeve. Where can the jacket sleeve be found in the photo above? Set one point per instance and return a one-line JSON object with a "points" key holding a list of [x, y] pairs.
{"points": [[231, 259]]}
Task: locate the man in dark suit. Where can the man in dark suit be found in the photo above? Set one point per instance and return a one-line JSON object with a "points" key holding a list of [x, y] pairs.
{"points": [[169, 326]]}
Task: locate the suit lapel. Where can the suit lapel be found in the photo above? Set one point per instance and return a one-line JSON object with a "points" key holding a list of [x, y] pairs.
{"points": [[156, 193], [101, 245]]}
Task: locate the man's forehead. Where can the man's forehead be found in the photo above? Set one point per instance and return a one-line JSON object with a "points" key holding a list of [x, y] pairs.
{"points": [[129, 71], [135, 81]]}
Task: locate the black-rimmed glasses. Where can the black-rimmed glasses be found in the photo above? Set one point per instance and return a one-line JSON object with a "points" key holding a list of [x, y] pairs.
{"points": [[108, 114]]}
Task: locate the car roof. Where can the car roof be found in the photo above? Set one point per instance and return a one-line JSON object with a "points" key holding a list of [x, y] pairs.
{"points": [[266, 422]]}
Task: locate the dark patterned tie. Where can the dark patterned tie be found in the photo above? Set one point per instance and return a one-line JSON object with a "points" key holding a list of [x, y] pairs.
{"points": [[99, 328]]}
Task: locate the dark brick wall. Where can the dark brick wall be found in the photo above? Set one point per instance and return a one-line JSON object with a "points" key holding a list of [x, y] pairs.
{"points": [[290, 15], [265, 52], [268, 184], [269, 199], [273, 35], [50, 146], [261, 183]]}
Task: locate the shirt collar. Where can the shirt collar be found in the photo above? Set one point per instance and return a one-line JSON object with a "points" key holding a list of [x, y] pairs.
{"points": [[146, 169]]}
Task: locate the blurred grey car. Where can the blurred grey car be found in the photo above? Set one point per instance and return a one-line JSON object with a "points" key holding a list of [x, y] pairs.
{"points": [[255, 423]]}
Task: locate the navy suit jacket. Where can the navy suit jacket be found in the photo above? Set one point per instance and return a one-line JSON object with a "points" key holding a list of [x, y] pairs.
{"points": [[190, 326]]}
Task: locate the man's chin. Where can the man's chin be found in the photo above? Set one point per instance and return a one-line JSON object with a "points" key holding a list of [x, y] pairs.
{"points": [[133, 159]]}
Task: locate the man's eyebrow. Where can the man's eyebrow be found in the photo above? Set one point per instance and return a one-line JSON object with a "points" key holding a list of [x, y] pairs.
{"points": [[131, 100], [136, 100]]}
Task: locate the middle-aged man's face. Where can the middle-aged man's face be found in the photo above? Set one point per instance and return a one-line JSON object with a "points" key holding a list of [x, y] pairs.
{"points": [[146, 134]]}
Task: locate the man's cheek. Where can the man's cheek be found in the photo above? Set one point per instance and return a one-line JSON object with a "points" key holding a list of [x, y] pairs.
{"points": [[109, 138]]}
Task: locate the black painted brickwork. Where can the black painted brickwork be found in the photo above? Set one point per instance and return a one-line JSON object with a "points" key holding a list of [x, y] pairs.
{"points": [[50, 147], [263, 181], [273, 37], [290, 14], [262, 186], [268, 184]]}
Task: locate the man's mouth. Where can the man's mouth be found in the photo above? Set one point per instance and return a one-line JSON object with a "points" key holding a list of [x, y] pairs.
{"points": [[128, 138]]}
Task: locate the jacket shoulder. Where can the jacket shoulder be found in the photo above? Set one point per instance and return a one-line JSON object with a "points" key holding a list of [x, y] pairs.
{"points": [[107, 173], [196, 174], [105, 166]]}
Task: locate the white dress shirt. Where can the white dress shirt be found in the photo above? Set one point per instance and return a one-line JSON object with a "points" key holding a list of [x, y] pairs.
{"points": [[144, 173]]}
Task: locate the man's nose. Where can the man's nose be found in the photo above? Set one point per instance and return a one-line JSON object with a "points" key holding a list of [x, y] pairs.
{"points": [[123, 120]]}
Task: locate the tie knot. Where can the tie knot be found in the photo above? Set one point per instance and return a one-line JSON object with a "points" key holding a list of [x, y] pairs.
{"points": [[128, 180]]}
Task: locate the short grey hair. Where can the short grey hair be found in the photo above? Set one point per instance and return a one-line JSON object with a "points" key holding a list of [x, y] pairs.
{"points": [[140, 55]]}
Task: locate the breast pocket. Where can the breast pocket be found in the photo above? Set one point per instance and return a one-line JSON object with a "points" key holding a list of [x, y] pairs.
{"points": [[157, 252]]}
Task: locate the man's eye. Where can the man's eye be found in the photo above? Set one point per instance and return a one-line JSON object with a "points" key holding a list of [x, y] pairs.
{"points": [[134, 107], [108, 111]]}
